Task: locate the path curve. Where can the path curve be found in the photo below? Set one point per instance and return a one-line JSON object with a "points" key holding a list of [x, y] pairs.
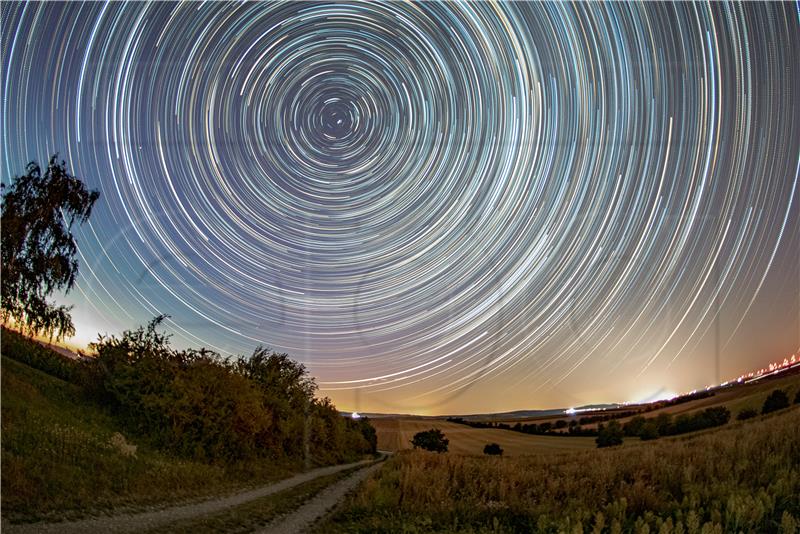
{"points": [[318, 506], [134, 522]]}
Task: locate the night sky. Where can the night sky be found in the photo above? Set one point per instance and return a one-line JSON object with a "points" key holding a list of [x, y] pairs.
{"points": [[438, 208]]}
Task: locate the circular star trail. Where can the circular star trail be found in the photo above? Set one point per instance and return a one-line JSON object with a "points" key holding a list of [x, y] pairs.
{"points": [[417, 198]]}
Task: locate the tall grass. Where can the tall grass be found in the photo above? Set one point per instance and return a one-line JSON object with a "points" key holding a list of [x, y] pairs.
{"points": [[744, 478]]}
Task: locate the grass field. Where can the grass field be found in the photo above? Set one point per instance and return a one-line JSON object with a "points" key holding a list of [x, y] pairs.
{"points": [[63, 457], [394, 434], [744, 477]]}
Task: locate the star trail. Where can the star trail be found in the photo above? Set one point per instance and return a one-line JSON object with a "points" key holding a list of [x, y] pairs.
{"points": [[437, 207]]}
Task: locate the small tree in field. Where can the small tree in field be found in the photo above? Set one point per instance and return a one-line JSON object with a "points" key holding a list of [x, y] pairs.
{"points": [[609, 435], [493, 449], [777, 400], [38, 248], [431, 440]]}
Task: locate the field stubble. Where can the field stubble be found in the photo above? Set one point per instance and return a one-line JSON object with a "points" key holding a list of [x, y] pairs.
{"points": [[744, 477]]}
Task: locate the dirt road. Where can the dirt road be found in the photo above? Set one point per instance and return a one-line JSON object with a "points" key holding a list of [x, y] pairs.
{"points": [[140, 521], [314, 509]]}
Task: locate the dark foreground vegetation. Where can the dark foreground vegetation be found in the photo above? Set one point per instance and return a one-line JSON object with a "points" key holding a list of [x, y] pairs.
{"points": [[145, 423], [743, 477]]}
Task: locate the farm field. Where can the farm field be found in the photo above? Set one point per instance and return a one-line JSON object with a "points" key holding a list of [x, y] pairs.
{"points": [[394, 434], [744, 477]]}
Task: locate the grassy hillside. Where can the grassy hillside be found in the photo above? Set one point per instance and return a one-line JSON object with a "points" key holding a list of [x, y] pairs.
{"points": [[63, 456], [395, 434], [736, 398], [71, 447], [744, 477]]}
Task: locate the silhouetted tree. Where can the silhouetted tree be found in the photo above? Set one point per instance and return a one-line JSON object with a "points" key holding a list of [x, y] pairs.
{"points": [[493, 449], [648, 431], [747, 413], [431, 440], [369, 433], [777, 400], [634, 426], [797, 397], [609, 435], [38, 248], [664, 424]]}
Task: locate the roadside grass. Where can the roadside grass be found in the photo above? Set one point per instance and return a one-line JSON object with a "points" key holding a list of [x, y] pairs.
{"points": [[256, 513], [63, 457], [744, 477]]}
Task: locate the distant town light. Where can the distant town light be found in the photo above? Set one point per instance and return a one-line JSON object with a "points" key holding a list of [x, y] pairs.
{"points": [[355, 415], [570, 411]]}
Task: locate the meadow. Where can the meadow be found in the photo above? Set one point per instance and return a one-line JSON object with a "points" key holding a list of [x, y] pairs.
{"points": [[394, 434], [744, 477]]}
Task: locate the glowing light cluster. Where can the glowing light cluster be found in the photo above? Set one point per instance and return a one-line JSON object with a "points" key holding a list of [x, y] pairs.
{"points": [[420, 196]]}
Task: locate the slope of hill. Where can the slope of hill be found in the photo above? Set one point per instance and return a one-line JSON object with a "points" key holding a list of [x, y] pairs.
{"points": [[65, 457], [744, 477]]}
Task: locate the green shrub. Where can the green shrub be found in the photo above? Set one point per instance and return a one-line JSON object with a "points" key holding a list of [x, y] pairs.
{"points": [[29, 352], [493, 449], [609, 435], [777, 400], [747, 413], [648, 431], [199, 405], [431, 440]]}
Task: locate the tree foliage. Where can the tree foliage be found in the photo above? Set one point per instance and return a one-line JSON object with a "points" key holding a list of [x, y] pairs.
{"points": [[202, 406], [609, 435], [665, 425], [493, 449], [431, 440], [777, 400], [747, 413], [38, 248]]}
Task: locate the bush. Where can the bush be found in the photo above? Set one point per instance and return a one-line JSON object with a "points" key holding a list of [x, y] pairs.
{"points": [[747, 413], [29, 352], [609, 435], [634, 426], [797, 397], [431, 440], [648, 431], [708, 418], [777, 400], [493, 449], [199, 405]]}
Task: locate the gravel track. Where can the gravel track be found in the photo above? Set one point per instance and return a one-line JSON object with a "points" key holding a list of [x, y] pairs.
{"points": [[135, 522], [318, 506]]}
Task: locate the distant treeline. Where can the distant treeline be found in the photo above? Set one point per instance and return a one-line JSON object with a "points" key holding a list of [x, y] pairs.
{"points": [[198, 405], [574, 427], [665, 424], [548, 428]]}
